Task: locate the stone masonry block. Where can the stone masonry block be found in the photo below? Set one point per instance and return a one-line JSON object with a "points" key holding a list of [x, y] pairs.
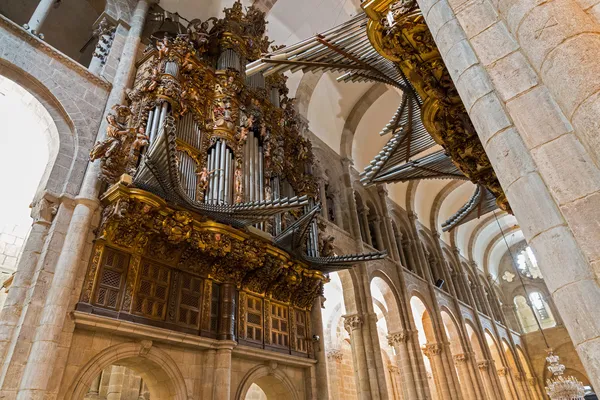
{"points": [[533, 205], [472, 85], [440, 14], [583, 216], [488, 116], [555, 249], [537, 117], [542, 30], [568, 169], [512, 75], [587, 122], [578, 304], [477, 17], [574, 71], [449, 34], [459, 58], [494, 43], [508, 154]]}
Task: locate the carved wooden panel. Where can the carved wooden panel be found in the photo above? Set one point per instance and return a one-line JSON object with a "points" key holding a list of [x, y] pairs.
{"points": [[279, 325], [152, 291], [190, 300], [300, 331], [111, 277], [254, 319]]}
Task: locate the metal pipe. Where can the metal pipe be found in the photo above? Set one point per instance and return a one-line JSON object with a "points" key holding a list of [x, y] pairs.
{"points": [[261, 183], [256, 171], [222, 164], [228, 177], [209, 168], [246, 170], [215, 180], [250, 142], [154, 123]]}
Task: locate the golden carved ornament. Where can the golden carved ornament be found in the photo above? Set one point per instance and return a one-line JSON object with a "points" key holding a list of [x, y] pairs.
{"points": [[140, 222], [409, 43]]}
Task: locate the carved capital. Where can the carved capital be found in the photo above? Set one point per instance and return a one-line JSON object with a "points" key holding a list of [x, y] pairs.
{"points": [[483, 364], [396, 339], [43, 211], [502, 371], [459, 358], [432, 349], [335, 355], [352, 322]]}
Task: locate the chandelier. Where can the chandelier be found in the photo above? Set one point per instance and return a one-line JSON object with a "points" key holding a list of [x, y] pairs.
{"points": [[558, 386]]}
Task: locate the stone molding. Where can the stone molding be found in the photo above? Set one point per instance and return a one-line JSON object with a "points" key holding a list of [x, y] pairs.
{"points": [[46, 48]]}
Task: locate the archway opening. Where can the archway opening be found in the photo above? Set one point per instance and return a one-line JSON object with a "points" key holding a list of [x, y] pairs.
{"points": [[340, 364], [118, 382], [388, 323], [426, 336], [498, 365], [268, 388], [25, 149], [456, 349]]}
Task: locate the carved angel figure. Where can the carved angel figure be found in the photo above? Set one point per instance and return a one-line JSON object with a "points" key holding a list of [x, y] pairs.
{"points": [[327, 248], [238, 185], [203, 176], [141, 139], [163, 48]]}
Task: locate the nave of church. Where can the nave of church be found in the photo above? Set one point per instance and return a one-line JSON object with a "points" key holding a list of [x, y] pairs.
{"points": [[274, 199]]}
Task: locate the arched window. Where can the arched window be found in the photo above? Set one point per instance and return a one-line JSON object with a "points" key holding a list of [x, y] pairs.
{"points": [[526, 317], [527, 264], [542, 310]]}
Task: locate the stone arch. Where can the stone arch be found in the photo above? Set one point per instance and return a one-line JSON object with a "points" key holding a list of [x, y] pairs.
{"points": [[74, 137], [474, 339], [305, 90], [411, 193], [155, 366], [355, 116], [441, 196], [391, 299], [453, 332], [274, 382], [481, 225], [493, 242]]}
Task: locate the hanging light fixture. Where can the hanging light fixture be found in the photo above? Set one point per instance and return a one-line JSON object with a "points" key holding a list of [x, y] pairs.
{"points": [[558, 387]]}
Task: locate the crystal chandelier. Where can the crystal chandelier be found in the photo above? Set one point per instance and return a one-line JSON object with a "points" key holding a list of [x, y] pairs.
{"points": [[558, 386]]}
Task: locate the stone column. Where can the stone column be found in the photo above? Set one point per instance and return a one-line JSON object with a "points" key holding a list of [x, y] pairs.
{"points": [[353, 325], [399, 342], [434, 352], [355, 225], [484, 367], [506, 386], [391, 238], [334, 359], [323, 198], [364, 215], [208, 374], [115, 385], [319, 348], [222, 387], [521, 386], [534, 388], [42, 361], [379, 234], [467, 386], [540, 133], [39, 15]]}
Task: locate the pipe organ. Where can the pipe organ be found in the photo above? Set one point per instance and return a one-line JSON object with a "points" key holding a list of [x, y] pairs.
{"points": [[209, 155]]}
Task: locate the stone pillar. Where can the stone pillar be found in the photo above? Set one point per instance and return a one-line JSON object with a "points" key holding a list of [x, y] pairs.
{"points": [[521, 386], [467, 386], [540, 133], [115, 385], [39, 16], [399, 342], [434, 352], [364, 215], [506, 386], [334, 359], [379, 234], [208, 374], [484, 367], [391, 237], [354, 217], [353, 325], [222, 387], [323, 198], [319, 348], [226, 330], [42, 361], [534, 388], [94, 391]]}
